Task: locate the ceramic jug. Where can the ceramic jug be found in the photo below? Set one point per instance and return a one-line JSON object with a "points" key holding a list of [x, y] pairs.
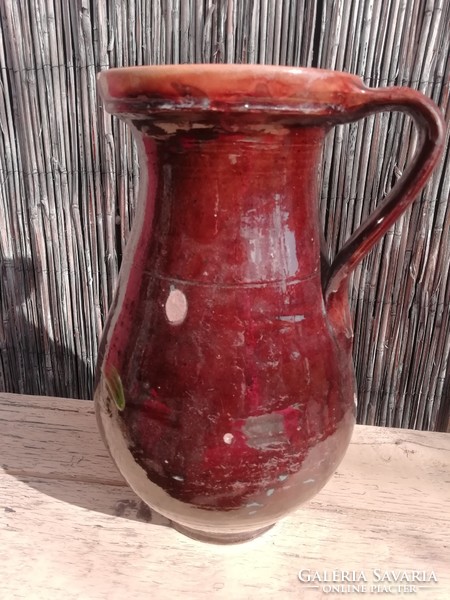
{"points": [[225, 389]]}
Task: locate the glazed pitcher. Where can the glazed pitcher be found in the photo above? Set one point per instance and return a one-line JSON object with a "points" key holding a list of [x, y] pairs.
{"points": [[225, 389]]}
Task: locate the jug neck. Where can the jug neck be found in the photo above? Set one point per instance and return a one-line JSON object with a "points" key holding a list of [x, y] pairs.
{"points": [[235, 207]]}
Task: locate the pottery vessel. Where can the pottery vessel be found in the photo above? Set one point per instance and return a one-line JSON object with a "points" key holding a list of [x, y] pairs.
{"points": [[225, 389]]}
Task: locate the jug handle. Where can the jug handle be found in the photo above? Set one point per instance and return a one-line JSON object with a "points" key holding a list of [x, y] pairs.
{"points": [[431, 126]]}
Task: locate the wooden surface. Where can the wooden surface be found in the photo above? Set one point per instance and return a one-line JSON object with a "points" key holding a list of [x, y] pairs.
{"points": [[71, 528]]}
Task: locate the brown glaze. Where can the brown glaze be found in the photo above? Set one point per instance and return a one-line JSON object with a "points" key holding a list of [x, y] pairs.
{"points": [[225, 388]]}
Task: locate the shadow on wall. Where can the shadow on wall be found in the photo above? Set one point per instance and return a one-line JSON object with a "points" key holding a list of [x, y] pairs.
{"points": [[31, 360]]}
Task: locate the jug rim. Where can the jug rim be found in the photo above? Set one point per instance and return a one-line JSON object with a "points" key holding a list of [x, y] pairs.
{"points": [[228, 87]]}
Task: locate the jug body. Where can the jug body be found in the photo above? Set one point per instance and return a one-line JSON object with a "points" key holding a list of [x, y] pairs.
{"points": [[238, 397], [225, 389]]}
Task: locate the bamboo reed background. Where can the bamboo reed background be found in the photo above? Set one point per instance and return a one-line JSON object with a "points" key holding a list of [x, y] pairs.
{"points": [[69, 176]]}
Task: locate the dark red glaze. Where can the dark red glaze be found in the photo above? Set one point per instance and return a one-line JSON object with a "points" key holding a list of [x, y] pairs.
{"points": [[225, 388]]}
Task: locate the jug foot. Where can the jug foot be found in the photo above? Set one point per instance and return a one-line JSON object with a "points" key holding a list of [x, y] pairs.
{"points": [[220, 538]]}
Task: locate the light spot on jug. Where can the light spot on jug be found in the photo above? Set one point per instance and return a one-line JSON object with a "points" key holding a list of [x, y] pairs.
{"points": [[228, 438], [253, 504], [239, 486], [271, 129], [309, 481], [308, 372], [265, 431], [177, 477], [355, 400], [282, 477], [176, 307], [273, 363], [239, 339], [171, 128], [290, 251], [295, 355], [270, 491], [216, 211], [291, 318], [233, 158]]}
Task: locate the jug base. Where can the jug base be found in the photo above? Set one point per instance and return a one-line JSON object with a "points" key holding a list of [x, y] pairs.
{"points": [[212, 537]]}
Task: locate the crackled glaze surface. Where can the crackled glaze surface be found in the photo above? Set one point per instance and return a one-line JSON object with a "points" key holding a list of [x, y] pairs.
{"points": [[225, 388]]}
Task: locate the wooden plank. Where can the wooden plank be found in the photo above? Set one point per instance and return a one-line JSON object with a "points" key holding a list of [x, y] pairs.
{"points": [[70, 527]]}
